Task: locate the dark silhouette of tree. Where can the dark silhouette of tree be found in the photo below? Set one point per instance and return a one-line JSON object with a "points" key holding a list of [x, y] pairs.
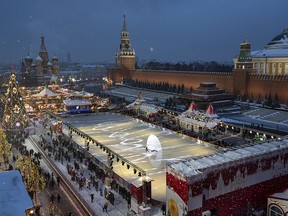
{"points": [[275, 102], [269, 100], [212, 66], [258, 101], [251, 100]]}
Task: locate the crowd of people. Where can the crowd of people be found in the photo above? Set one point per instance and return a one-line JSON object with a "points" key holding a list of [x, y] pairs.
{"points": [[82, 170]]}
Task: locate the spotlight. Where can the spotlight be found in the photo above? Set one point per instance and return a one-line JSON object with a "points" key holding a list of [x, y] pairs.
{"points": [[100, 146], [128, 166], [106, 150], [112, 156], [111, 163], [139, 174], [135, 171], [123, 163], [117, 159], [97, 144]]}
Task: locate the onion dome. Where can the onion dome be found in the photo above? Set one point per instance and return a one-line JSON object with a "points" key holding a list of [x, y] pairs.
{"points": [[38, 58], [54, 57], [28, 56]]}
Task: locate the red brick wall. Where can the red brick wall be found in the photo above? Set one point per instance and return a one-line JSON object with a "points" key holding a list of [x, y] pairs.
{"points": [[189, 79], [233, 83]]}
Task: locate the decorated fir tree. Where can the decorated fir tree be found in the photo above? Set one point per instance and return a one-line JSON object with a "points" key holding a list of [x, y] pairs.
{"points": [[5, 148], [14, 116]]}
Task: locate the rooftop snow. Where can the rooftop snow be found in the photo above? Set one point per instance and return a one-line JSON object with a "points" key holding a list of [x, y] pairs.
{"points": [[192, 167], [269, 53], [14, 198]]}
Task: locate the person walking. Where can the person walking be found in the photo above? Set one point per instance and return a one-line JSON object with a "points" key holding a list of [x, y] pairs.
{"points": [[105, 206], [163, 209], [92, 197], [52, 198], [59, 198], [58, 180]]}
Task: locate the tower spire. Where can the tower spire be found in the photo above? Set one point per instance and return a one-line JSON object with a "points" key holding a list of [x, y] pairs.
{"points": [[43, 52], [42, 47], [124, 23]]}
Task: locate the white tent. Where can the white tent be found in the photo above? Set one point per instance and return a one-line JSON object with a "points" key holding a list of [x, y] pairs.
{"points": [[45, 92]]}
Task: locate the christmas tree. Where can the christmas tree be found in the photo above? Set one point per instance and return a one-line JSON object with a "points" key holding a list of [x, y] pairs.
{"points": [[14, 116]]}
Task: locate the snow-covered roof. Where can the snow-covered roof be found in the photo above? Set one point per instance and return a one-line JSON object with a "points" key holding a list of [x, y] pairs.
{"points": [[38, 58], [55, 57], [81, 93], [14, 198], [270, 53], [45, 92], [277, 47], [148, 108], [196, 166], [49, 63], [209, 124], [75, 102], [28, 56]]}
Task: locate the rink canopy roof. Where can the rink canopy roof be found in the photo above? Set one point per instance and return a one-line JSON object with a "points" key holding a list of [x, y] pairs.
{"points": [[196, 166]]}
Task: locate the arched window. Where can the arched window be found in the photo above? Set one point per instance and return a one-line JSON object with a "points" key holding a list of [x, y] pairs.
{"points": [[276, 211]]}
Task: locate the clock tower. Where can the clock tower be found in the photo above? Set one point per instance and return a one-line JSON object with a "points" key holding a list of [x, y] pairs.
{"points": [[125, 57]]}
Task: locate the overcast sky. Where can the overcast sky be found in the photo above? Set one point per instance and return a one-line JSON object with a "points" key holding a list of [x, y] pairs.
{"points": [[165, 30]]}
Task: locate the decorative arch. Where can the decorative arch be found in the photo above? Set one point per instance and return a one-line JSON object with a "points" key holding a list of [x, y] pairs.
{"points": [[275, 210]]}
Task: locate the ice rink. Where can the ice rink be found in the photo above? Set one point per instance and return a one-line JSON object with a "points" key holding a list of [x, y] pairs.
{"points": [[129, 138]]}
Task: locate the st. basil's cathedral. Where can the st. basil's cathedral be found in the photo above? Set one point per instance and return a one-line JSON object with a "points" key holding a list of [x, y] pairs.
{"points": [[39, 71]]}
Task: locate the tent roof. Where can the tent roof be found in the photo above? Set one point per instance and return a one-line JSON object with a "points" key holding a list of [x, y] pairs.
{"points": [[14, 198], [45, 92]]}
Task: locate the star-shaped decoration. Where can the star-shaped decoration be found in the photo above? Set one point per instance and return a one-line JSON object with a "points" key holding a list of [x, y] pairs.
{"points": [[7, 118], [16, 109]]}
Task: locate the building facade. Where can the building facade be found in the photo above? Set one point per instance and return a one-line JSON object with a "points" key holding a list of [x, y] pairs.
{"points": [[38, 71], [125, 57], [257, 73], [235, 182], [273, 59]]}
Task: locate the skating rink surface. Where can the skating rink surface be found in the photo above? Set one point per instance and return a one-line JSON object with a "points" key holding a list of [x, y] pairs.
{"points": [[129, 138]]}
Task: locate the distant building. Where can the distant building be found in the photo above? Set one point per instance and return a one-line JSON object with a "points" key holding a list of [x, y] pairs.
{"points": [[273, 59], [253, 74], [125, 57], [207, 94], [38, 71]]}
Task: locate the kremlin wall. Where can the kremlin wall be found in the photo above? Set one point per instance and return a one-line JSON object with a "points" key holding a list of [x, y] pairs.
{"points": [[257, 72]]}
